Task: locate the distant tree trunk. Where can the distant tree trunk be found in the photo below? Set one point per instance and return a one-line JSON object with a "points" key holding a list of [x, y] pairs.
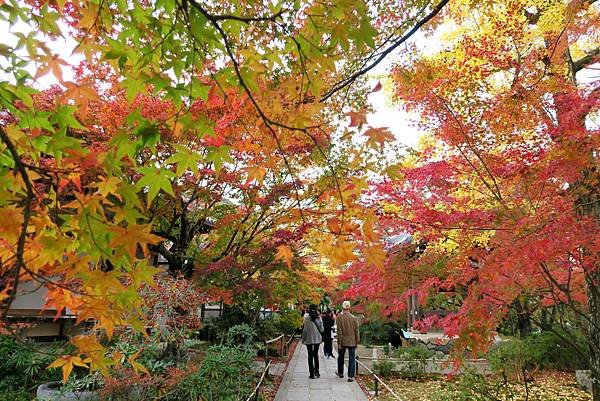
{"points": [[523, 318]]}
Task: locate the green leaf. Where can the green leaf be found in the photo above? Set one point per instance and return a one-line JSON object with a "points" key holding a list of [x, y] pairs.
{"points": [[132, 88], [205, 127], [6, 159], [64, 117], [199, 90], [185, 159], [124, 146], [148, 135], [155, 179], [219, 156]]}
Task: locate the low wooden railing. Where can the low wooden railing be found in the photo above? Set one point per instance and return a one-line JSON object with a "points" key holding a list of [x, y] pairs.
{"points": [[265, 373], [287, 344], [267, 360], [377, 380]]}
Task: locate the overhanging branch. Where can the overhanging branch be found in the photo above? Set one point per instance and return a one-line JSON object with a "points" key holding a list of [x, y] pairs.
{"points": [[394, 45]]}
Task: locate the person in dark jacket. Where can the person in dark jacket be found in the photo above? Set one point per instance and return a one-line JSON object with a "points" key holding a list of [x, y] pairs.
{"points": [[395, 337], [312, 338], [328, 323]]}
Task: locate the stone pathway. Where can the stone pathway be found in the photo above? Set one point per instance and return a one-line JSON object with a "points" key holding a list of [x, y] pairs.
{"points": [[296, 386]]}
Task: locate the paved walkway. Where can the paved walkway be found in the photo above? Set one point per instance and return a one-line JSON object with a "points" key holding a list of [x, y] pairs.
{"points": [[296, 386]]}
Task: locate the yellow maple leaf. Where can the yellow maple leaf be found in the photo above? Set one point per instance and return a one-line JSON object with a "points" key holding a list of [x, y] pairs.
{"points": [[284, 252], [343, 252], [369, 235], [138, 367], [108, 186], [375, 256]]}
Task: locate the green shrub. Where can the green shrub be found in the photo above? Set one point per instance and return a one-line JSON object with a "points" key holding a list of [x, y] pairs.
{"points": [[18, 395], [539, 350], [22, 369], [241, 334], [472, 386], [289, 321], [215, 330], [511, 359], [384, 367], [416, 352], [549, 350], [377, 332], [225, 375]]}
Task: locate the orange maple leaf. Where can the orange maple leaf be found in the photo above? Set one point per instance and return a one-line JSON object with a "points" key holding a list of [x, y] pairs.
{"points": [[133, 235], [50, 62], [378, 136], [334, 225], [358, 118], [66, 362], [255, 173]]}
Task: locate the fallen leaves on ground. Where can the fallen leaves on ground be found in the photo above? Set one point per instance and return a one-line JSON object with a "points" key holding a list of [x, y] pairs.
{"points": [[547, 386]]}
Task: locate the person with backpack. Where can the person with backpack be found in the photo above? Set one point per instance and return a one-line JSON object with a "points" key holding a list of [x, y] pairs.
{"points": [[312, 337]]}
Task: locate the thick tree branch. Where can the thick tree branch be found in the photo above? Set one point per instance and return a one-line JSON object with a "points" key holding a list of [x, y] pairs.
{"points": [[247, 20], [19, 262], [590, 58]]}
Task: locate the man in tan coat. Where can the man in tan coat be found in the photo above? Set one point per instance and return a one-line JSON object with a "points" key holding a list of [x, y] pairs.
{"points": [[347, 338]]}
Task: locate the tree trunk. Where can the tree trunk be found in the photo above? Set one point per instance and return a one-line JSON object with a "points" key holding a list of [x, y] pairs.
{"points": [[593, 330], [590, 205]]}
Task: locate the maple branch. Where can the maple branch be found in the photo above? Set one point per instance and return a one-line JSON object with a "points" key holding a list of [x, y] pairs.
{"points": [[590, 58], [553, 283], [87, 220], [247, 20], [27, 211], [335, 180], [269, 123], [88, 31], [497, 193], [349, 80], [440, 228]]}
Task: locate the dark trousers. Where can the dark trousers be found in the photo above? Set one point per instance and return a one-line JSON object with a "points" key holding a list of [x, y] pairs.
{"points": [[351, 360], [328, 346], [313, 358]]}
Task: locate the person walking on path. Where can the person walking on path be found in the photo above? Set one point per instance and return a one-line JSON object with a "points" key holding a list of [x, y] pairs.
{"points": [[312, 338], [328, 323], [347, 338]]}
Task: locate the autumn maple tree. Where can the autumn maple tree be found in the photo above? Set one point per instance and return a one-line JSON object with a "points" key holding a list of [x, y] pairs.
{"points": [[502, 195]]}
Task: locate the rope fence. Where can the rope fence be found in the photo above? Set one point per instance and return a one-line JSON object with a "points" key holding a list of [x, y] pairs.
{"points": [[377, 380]]}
